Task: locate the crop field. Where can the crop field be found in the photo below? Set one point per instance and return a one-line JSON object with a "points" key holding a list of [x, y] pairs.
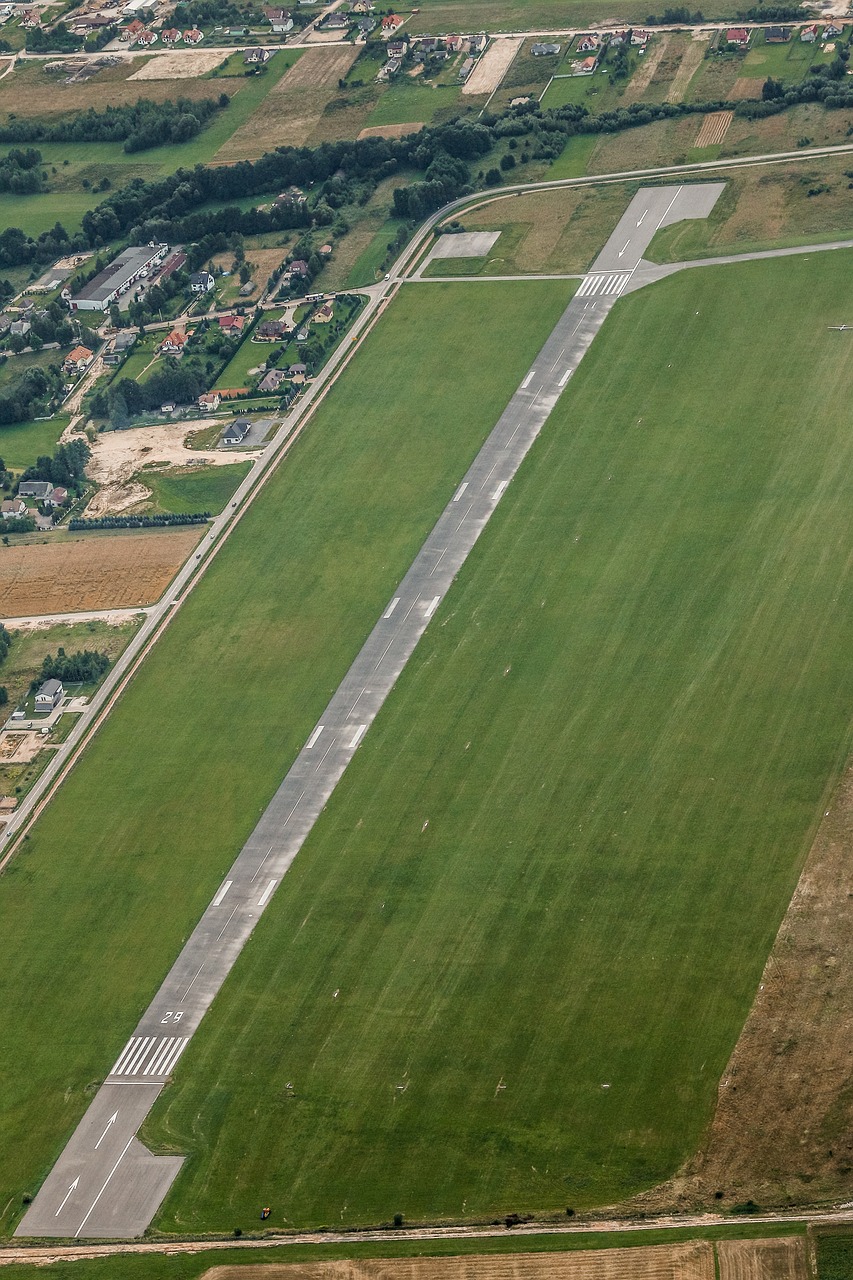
{"points": [[272, 629], [71, 572], [185, 490], [522, 15], [546, 887], [835, 1255], [32, 91]]}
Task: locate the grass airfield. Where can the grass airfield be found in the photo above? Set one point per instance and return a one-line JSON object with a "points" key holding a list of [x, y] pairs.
{"points": [[547, 885]]}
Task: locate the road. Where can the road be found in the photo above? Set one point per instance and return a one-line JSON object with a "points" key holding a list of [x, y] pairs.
{"points": [[105, 1183]]}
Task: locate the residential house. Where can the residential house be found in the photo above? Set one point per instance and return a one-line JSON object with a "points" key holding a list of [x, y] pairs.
{"points": [[363, 6], [391, 68], [119, 346], [618, 38], [13, 508], [271, 381], [237, 431], [231, 325], [173, 344], [147, 39], [809, 34], [544, 50], [78, 360], [466, 69], [336, 21], [193, 36], [132, 31], [168, 407], [38, 489], [201, 282], [19, 328], [588, 43], [365, 26], [299, 268], [30, 19], [171, 35], [324, 314], [256, 57], [58, 496], [297, 372], [585, 67], [397, 48], [247, 289], [279, 19], [390, 23], [777, 35], [640, 38], [270, 331], [477, 43], [49, 696], [738, 36], [5, 324], [302, 334], [832, 31], [209, 401], [454, 44]]}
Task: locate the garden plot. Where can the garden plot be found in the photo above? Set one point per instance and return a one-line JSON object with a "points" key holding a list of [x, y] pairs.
{"points": [[714, 128]]}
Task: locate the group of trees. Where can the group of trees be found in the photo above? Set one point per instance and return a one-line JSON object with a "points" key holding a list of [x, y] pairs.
{"points": [[21, 172], [5, 642], [138, 125], [57, 40], [28, 395], [83, 667], [137, 522], [65, 468], [126, 399]]}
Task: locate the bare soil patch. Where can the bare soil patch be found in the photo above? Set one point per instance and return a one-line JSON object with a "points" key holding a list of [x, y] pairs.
{"points": [[691, 1260], [714, 128], [30, 90], [179, 66], [691, 60], [94, 571], [743, 88], [118, 455], [492, 66], [784, 1259], [293, 108], [390, 130], [19, 748], [644, 74]]}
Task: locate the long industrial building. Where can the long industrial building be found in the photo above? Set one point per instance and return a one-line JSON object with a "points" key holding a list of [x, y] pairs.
{"points": [[130, 265]]}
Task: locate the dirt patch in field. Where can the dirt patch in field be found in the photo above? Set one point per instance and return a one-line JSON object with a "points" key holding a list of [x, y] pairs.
{"points": [[644, 74], [390, 130], [19, 748], [292, 110], [118, 455], [690, 62], [115, 498], [94, 571], [744, 88], [714, 128], [492, 66], [784, 1259], [692, 1260], [179, 66], [30, 90]]}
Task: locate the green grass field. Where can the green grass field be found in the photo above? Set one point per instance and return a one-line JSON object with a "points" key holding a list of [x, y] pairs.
{"points": [[182, 491], [249, 355], [22, 442], [835, 1256], [37, 213], [621, 730], [255, 651], [409, 102]]}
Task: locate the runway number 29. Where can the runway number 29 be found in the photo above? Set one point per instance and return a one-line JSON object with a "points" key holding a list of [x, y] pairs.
{"points": [[172, 1017]]}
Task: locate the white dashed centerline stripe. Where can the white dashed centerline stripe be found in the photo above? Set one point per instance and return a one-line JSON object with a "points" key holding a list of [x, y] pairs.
{"points": [[438, 562], [357, 736], [79, 1230], [222, 892], [225, 926], [266, 893], [325, 753], [464, 518], [192, 984], [312, 741], [392, 606]]}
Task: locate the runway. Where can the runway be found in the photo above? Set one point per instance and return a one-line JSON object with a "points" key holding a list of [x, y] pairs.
{"points": [[105, 1183]]}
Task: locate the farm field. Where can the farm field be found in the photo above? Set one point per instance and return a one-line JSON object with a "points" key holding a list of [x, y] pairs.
{"points": [[546, 886], [272, 629], [523, 15], [835, 1255], [185, 490], [62, 572]]}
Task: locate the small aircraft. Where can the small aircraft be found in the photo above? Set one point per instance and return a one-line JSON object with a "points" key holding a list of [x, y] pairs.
{"points": [[840, 328]]}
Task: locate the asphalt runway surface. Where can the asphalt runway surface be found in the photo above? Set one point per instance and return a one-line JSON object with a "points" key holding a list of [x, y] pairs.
{"points": [[106, 1184]]}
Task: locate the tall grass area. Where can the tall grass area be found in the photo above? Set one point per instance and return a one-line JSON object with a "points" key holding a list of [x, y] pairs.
{"points": [[509, 965], [188, 490], [96, 907]]}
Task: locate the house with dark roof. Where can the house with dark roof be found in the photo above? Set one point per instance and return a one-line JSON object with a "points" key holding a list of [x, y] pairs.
{"points": [[237, 431], [544, 50], [38, 489], [777, 35], [49, 696]]}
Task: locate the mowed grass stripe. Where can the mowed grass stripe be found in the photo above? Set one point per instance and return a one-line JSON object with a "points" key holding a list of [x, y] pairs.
{"points": [[620, 729], [118, 870]]}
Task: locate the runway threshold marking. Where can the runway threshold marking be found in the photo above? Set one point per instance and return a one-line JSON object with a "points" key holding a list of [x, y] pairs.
{"points": [[392, 606], [565, 378], [217, 901], [357, 736], [498, 493], [266, 893], [312, 741]]}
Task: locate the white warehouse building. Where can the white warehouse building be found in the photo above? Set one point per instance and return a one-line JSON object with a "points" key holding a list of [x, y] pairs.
{"points": [[108, 285]]}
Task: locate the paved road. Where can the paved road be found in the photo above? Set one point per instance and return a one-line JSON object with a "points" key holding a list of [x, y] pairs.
{"points": [[113, 1187]]}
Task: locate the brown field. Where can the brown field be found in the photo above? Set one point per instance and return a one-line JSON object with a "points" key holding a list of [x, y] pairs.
{"points": [[692, 1260], [784, 1259], [554, 231], [714, 128], [492, 66], [664, 142], [183, 65], [30, 90], [692, 58], [390, 130], [91, 571], [744, 87], [292, 110], [647, 69]]}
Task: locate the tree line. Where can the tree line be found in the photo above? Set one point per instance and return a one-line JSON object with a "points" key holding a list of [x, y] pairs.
{"points": [[65, 468], [138, 125], [136, 522], [83, 667]]}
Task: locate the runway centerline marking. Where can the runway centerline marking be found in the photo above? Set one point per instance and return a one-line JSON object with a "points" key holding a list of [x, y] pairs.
{"points": [[79, 1230], [328, 749], [222, 892], [438, 562], [489, 476], [671, 203], [392, 606], [518, 428], [312, 741], [388, 646], [355, 704], [266, 893], [192, 984], [464, 518], [225, 926]]}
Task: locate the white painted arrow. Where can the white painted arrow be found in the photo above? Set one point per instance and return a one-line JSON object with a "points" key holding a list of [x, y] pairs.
{"points": [[110, 1123], [624, 247], [640, 223], [73, 1187]]}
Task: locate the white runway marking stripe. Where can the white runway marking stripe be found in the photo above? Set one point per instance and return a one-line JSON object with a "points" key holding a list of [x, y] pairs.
{"points": [[459, 492], [266, 893], [565, 378], [498, 493], [604, 283], [392, 606], [123, 1056], [527, 381], [358, 735], [149, 1055], [222, 892], [432, 606], [312, 741]]}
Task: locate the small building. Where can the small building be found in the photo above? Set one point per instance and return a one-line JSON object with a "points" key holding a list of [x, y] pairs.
{"points": [[270, 331], [173, 263], [147, 39], [272, 380], [49, 696], [38, 489], [832, 31], [19, 328], [335, 21], [738, 36], [365, 26], [466, 69], [477, 43], [124, 270], [78, 360], [297, 372], [119, 347], [130, 32], [193, 36], [256, 57], [544, 50], [58, 496], [809, 34], [588, 43], [247, 289], [13, 508], [280, 20], [171, 36], [201, 282], [300, 268], [585, 67], [777, 35], [168, 407], [323, 314], [173, 344], [30, 19], [237, 431], [397, 48], [302, 334], [390, 23], [231, 325], [618, 38], [640, 38], [209, 401], [5, 324]]}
